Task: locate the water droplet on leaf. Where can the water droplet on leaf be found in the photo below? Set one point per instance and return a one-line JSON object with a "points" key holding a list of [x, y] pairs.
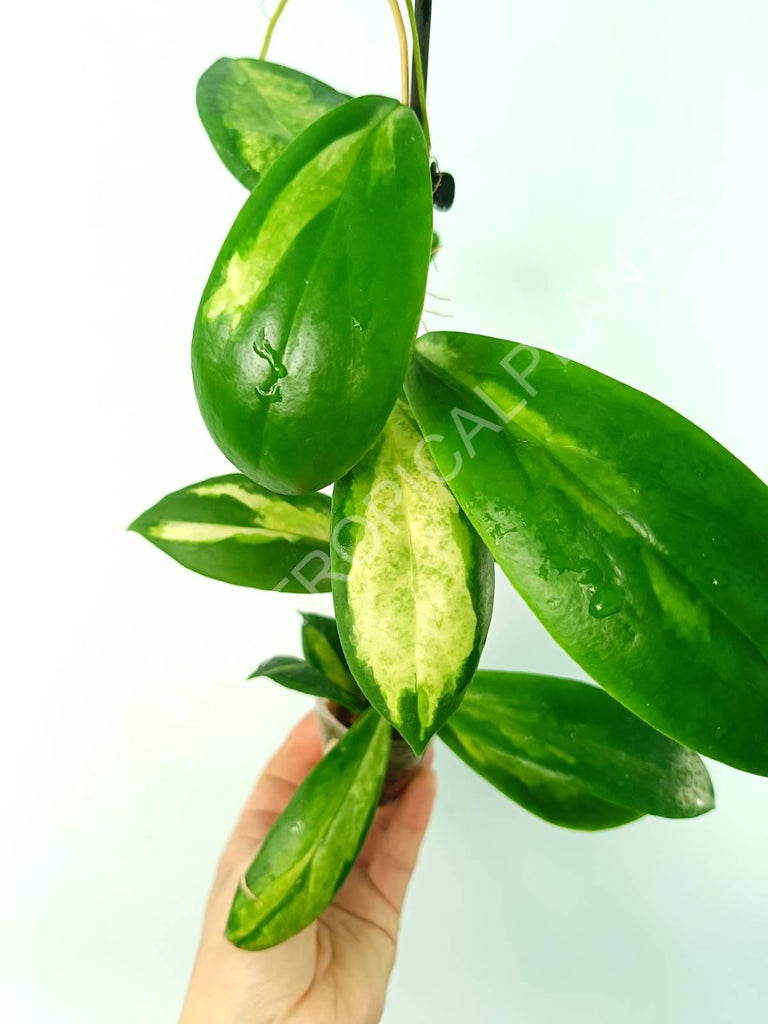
{"points": [[362, 316], [270, 386], [608, 599]]}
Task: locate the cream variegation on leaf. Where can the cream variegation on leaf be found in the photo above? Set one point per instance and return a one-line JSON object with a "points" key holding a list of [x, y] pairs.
{"points": [[413, 584], [231, 529]]}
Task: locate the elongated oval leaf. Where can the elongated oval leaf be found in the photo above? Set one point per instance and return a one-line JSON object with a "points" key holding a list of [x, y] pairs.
{"points": [[638, 541], [322, 649], [537, 736], [299, 675], [306, 325], [313, 844], [554, 799], [413, 583], [252, 110], [231, 529]]}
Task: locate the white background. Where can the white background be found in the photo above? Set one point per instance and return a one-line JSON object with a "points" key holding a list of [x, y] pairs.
{"points": [[611, 163]]}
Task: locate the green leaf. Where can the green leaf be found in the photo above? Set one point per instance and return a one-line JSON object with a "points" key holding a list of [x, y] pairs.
{"points": [[322, 649], [252, 110], [298, 675], [553, 799], [306, 326], [231, 529], [413, 583], [571, 754], [313, 844], [638, 541]]}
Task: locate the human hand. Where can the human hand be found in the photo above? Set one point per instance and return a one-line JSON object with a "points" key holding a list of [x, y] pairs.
{"points": [[336, 970]]}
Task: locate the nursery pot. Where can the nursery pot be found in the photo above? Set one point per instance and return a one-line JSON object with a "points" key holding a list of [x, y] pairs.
{"points": [[335, 720]]}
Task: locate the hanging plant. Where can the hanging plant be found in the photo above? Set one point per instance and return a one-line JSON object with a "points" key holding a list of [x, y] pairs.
{"points": [[637, 540]]}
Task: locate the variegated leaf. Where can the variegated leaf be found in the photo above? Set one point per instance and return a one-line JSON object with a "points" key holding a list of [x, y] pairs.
{"points": [[322, 648], [296, 674], [636, 538], [306, 326], [231, 529], [313, 844], [556, 800], [252, 110], [571, 754], [413, 583]]}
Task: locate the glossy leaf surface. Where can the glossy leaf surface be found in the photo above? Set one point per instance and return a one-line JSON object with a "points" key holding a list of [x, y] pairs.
{"points": [[306, 325], [299, 675], [413, 583], [322, 649], [563, 748], [231, 529], [638, 541], [313, 844], [252, 110]]}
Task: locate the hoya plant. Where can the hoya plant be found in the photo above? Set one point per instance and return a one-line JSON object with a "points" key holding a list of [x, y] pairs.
{"points": [[396, 470]]}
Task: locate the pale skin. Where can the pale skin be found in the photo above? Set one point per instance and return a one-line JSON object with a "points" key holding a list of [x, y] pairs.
{"points": [[336, 971]]}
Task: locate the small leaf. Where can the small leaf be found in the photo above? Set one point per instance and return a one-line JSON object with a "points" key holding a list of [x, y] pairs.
{"points": [[298, 675], [322, 648], [231, 529], [306, 325], [313, 844], [551, 744], [252, 110], [638, 541], [413, 583]]}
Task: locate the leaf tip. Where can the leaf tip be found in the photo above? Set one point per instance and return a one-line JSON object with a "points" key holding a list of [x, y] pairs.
{"points": [[417, 741], [137, 526], [262, 669]]}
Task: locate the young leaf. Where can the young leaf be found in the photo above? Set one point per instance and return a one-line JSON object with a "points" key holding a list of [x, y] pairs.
{"points": [[298, 675], [638, 541], [252, 110], [550, 744], [313, 844], [306, 325], [231, 529], [413, 583], [322, 649]]}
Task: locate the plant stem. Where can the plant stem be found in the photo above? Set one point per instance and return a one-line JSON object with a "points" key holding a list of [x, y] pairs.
{"points": [[403, 41], [271, 28], [420, 37]]}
